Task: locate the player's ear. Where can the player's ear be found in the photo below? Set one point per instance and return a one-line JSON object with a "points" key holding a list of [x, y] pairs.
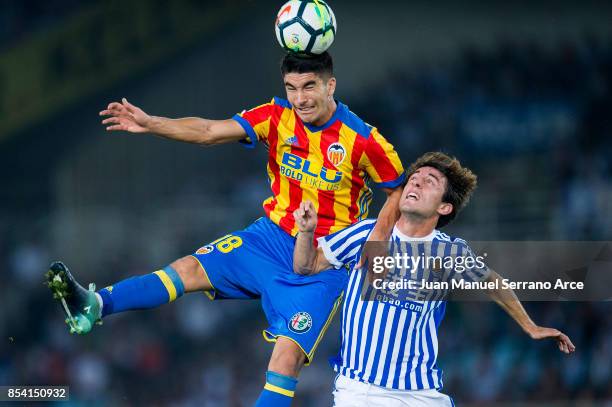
{"points": [[331, 86], [445, 208]]}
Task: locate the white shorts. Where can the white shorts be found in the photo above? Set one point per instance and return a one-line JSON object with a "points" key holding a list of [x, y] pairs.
{"points": [[353, 393]]}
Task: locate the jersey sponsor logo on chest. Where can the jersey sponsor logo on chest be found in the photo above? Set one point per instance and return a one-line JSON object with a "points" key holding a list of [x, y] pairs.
{"points": [[302, 169]]}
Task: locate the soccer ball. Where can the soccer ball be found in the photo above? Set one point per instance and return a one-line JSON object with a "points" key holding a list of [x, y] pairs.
{"points": [[305, 26]]}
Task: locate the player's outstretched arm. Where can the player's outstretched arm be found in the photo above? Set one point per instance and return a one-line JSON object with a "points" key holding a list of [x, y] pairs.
{"points": [[126, 117], [306, 259], [388, 216], [508, 300]]}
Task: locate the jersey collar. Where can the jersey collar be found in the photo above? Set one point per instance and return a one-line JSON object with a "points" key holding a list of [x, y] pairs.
{"points": [[338, 114], [407, 238]]}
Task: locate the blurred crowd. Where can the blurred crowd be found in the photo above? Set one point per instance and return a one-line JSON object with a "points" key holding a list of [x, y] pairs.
{"points": [[533, 122], [21, 18], [527, 118]]}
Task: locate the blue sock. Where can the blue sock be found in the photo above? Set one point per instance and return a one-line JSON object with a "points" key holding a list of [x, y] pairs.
{"points": [[141, 292], [278, 391]]}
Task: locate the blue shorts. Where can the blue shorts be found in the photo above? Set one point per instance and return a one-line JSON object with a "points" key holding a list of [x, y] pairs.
{"points": [[257, 262]]}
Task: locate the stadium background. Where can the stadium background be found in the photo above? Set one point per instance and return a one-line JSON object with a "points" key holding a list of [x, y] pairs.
{"points": [[520, 91]]}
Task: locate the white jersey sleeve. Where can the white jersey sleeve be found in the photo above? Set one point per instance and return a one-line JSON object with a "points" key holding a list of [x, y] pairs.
{"points": [[344, 247]]}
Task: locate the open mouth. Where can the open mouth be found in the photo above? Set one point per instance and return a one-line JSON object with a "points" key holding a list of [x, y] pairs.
{"points": [[413, 196]]}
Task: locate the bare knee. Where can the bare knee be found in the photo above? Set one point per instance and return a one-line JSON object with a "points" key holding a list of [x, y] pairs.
{"points": [[287, 358], [191, 273]]}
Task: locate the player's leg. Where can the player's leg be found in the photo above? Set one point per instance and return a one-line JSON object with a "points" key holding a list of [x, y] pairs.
{"points": [[281, 378], [85, 307], [152, 290], [299, 310], [192, 274], [287, 358]]}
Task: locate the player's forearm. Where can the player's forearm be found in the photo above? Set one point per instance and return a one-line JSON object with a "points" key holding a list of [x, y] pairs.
{"points": [[188, 129], [507, 299], [389, 214], [304, 254]]}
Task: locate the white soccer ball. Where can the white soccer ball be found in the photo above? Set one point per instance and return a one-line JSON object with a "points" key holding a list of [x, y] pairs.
{"points": [[305, 26]]}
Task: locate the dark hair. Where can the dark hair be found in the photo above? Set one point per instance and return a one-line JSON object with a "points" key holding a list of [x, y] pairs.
{"points": [[321, 64], [460, 181]]}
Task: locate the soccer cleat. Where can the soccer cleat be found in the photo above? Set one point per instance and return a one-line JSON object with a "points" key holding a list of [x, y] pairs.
{"points": [[80, 305]]}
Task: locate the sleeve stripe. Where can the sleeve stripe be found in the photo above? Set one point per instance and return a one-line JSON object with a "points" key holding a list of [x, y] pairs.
{"points": [[355, 244], [393, 184], [356, 228], [329, 255], [341, 246], [249, 130], [251, 119], [353, 253]]}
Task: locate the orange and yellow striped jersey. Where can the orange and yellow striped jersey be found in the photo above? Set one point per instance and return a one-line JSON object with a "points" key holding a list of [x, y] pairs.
{"points": [[330, 165]]}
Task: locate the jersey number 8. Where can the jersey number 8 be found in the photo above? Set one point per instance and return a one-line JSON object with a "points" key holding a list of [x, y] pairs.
{"points": [[228, 243]]}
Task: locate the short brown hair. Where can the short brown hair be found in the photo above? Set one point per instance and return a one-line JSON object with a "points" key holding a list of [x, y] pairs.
{"points": [[460, 181]]}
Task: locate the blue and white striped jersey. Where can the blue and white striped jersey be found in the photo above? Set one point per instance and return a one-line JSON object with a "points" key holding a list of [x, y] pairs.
{"points": [[390, 337]]}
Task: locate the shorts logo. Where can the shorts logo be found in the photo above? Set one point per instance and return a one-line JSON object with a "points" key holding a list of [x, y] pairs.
{"points": [[336, 153], [205, 249], [300, 322]]}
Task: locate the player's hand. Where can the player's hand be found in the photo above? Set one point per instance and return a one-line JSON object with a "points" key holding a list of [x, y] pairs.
{"points": [[126, 117], [306, 217], [563, 341]]}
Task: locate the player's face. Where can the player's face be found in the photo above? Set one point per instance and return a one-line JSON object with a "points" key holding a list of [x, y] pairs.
{"points": [[311, 96], [422, 196]]}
